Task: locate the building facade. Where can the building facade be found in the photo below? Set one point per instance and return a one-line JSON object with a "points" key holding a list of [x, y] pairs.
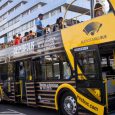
{"points": [[18, 16]]}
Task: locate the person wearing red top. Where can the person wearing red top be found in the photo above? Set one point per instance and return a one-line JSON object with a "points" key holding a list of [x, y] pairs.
{"points": [[16, 40]]}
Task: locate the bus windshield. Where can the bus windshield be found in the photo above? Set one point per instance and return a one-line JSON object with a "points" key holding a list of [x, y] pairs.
{"points": [[87, 62]]}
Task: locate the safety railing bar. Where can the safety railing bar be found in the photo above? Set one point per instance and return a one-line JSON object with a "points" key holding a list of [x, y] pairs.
{"points": [[83, 14]]}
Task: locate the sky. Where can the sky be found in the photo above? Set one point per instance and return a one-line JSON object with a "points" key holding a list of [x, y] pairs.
{"points": [[103, 2]]}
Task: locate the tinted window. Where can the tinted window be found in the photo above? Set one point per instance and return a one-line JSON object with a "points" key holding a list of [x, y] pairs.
{"points": [[4, 71], [10, 71], [54, 67], [88, 64]]}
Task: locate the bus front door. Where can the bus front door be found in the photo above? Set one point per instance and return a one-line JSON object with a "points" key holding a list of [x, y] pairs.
{"points": [[89, 82], [107, 54], [20, 79]]}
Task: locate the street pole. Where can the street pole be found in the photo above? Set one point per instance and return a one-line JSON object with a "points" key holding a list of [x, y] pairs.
{"points": [[92, 8]]}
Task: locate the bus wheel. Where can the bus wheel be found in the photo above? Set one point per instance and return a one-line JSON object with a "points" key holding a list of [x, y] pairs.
{"points": [[68, 104]]}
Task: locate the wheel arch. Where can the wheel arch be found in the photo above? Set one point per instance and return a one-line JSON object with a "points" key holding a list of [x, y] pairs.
{"points": [[61, 89], [100, 108]]}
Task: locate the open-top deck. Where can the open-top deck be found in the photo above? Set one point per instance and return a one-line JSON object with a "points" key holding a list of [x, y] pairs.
{"points": [[47, 44]]}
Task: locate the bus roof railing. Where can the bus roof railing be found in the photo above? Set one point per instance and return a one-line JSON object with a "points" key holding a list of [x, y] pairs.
{"points": [[86, 13]]}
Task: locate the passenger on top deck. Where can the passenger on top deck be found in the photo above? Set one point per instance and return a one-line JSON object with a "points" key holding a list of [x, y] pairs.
{"points": [[48, 29], [26, 36], [11, 43], [16, 40], [31, 35], [55, 27], [98, 10], [3, 46], [102, 7], [39, 25], [59, 24], [19, 37]]}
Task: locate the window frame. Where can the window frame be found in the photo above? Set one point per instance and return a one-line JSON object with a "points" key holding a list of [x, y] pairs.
{"points": [[97, 59], [4, 71], [60, 69]]}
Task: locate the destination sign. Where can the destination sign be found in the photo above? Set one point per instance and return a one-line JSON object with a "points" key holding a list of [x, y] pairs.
{"points": [[24, 48]]}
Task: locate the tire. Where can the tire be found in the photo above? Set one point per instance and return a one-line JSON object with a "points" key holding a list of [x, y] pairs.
{"points": [[68, 104]]}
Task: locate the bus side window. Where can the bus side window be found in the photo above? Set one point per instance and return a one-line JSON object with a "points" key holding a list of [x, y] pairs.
{"points": [[37, 70], [50, 68], [67, 71], [10, 71], [28, 68], [4, 72], [56, 70], [87, 63], [107, 64], [55, 67], [65, 67], [46, 64]]}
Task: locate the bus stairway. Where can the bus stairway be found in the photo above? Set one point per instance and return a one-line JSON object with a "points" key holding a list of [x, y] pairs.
{"points": [[21, 99], [111, 103], [5, 97]]}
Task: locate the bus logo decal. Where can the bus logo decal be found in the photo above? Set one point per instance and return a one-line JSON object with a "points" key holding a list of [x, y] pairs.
{"points": [[92, 28]]}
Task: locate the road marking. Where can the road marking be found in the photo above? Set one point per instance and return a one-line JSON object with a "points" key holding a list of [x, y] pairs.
{"points": [[11, 112]]}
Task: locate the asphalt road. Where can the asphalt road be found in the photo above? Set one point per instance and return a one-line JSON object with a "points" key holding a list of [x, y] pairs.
{"points": [[13, 109]]}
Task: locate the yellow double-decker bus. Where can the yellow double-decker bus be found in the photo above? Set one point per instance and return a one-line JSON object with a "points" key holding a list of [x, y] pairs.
{"points": [[72, 70]]}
